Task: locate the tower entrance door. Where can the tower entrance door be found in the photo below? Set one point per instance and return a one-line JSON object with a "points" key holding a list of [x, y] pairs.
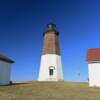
{"points": [[51, 72]]}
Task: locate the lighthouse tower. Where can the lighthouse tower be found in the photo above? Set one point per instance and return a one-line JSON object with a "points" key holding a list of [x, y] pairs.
{"points": [[51, 67]]}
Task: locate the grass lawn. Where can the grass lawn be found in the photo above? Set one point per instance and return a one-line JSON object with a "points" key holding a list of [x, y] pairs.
{"points": [[49, 91]]}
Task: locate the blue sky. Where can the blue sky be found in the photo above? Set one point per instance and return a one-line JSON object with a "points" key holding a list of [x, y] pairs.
{"points": [[22, 23]]}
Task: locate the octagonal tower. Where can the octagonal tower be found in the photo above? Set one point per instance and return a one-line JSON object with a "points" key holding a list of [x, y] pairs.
{"points": [[50, 67]]}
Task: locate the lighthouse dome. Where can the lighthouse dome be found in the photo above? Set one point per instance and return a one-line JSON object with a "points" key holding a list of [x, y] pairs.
{"points": [[51, 27]]}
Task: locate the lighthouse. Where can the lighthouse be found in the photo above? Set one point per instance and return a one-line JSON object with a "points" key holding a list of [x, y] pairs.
{"points": [[50, 66]]}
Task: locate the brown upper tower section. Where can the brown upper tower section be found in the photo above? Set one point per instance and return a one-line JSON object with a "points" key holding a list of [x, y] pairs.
{"points": [[51, 45]]}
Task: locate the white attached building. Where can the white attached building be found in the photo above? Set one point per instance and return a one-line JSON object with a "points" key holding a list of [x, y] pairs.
{"points": [[5, 70], [93, 59]]}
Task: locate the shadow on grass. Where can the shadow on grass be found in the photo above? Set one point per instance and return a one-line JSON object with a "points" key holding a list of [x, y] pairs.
{"points": [[12, 84]]}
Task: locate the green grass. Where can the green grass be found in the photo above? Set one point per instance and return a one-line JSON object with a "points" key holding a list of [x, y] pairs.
{"points": [[49, 91]]}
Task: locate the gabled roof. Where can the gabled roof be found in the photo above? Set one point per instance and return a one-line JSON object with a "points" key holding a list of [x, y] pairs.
{"points": [[6, 59], [93, 54]]}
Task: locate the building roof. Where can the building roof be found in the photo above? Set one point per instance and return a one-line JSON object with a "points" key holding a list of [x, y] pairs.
{"points": [[93, 54], [6, 59]]}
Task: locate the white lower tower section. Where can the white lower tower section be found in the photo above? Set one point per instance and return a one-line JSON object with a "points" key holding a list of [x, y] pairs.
{"points": [[94, 74], [50, 68]]}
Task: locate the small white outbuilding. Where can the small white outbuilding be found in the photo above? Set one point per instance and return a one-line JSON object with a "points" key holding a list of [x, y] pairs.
{"points": [[5, 70], [93, 59]]}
